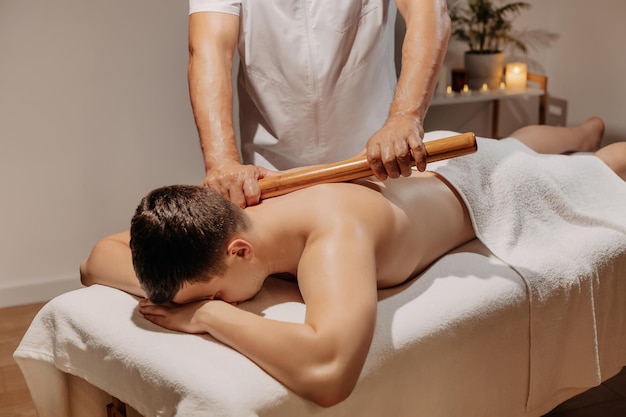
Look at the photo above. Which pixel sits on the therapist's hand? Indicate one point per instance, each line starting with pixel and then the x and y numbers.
pixel 236 182
pixel 389 149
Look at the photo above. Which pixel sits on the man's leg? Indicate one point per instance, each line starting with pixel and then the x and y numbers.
pixel 614 155
pixel 555 140
pixel 582 138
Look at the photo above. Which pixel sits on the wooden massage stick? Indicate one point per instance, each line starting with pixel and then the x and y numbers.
pixel 357 167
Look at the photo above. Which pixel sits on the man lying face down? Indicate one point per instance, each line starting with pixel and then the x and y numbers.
pixel 196 255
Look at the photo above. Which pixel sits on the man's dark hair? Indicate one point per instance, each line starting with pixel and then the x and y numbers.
pixel 178 235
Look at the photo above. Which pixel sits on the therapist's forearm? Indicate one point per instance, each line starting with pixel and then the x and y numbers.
pixel 423 51
pixel 212 40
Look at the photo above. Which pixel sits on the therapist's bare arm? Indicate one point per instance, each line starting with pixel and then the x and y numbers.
pixel 110 263
pixel 212 41
pixel 423 51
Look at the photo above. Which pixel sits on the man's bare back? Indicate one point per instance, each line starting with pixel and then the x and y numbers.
pixel 410 221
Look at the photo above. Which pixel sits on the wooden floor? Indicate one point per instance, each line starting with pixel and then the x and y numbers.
pixel 14 397
pixel 606 400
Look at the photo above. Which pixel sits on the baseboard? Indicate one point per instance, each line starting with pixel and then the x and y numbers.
pixel 36 290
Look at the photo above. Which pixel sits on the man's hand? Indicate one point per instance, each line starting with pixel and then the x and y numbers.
pixel 392 150
pixel 236 182
pixel 182 318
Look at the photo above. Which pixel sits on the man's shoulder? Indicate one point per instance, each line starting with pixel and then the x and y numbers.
pixel 353 203
pixel 330 199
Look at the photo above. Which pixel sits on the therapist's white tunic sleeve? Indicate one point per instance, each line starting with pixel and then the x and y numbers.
pixel 317 77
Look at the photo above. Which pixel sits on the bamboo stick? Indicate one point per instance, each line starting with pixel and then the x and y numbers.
pixel 358 167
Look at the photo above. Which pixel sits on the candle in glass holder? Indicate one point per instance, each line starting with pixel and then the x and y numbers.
pixel 515 76
pixel 459 79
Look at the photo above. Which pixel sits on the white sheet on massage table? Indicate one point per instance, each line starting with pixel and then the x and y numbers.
pixel 453 342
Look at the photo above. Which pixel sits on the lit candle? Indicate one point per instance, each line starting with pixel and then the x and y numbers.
pixel 515 76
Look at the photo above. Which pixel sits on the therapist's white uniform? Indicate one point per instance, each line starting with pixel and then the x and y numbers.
pixel 317 77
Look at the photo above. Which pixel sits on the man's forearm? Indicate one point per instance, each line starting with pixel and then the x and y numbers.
pixel 110 263
pixel 212 40
pixel 424 48
pixel 309 361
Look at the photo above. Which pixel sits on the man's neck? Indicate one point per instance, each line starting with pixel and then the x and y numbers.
pixel 278 243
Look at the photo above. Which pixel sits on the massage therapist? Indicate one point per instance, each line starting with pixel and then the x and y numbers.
pixel 317 84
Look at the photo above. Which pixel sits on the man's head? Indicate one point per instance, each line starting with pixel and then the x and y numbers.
pixel 179 235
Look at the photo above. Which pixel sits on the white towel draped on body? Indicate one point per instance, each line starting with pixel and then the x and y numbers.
pixel 556 220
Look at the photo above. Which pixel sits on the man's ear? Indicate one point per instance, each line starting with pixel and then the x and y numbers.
pixel 241 248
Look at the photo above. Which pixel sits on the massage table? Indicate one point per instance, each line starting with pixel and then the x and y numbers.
pixel 476 334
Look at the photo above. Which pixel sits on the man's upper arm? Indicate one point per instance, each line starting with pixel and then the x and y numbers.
pixel 212 41
pixel 337 279
pixel 406 7
pixel 213 29
pixel 224 6
pixel 110 263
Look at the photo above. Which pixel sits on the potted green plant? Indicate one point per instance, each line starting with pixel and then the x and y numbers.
pixel 486 27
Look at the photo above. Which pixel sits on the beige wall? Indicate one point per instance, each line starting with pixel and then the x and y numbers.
pixel 94 112
pixel 585 67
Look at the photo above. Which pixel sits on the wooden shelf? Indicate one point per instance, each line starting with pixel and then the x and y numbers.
pixel 537 87
pixel 478 96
